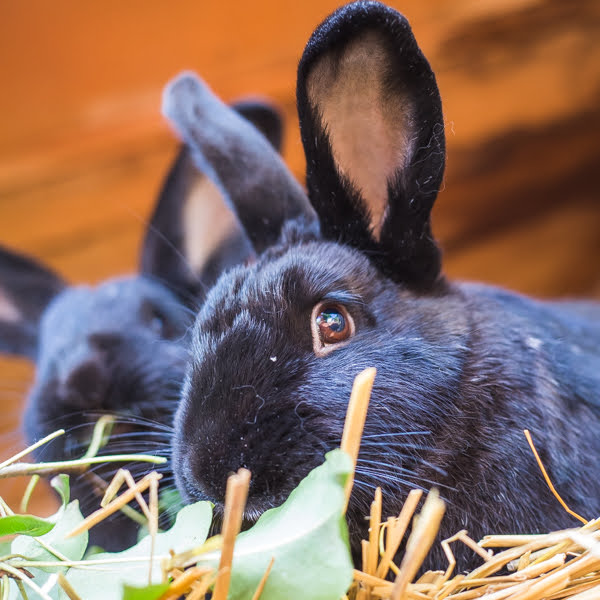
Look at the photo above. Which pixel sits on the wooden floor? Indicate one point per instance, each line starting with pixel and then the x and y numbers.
pixel 83 146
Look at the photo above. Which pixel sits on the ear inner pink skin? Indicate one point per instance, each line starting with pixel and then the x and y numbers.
pixel 207 222
pixel 8 311
pixel 369 130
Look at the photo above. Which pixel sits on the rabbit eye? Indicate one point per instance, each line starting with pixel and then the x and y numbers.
pixel 157 324
pixel 331 325
pixel 155 320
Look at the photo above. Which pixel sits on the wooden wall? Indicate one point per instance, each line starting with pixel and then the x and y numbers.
pixel 83 146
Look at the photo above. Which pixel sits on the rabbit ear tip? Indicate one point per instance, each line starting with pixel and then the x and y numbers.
pixel 185 78
pixel 186 84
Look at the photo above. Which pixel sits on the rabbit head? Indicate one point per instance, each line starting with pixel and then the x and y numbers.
pixel 346 277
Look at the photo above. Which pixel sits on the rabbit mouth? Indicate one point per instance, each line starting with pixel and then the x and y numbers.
pixel 252 513
pixel 255 505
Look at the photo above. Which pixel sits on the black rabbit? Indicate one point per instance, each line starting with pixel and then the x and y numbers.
pixel 355 281
pixel 121 347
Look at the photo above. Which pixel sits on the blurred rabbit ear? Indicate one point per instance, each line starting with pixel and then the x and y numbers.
pixel 193 236
pixel 373 133
pixel 26 289
pixel 239 160
pixel 265 117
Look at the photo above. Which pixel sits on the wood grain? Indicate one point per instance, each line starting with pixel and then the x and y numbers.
pixel 83 147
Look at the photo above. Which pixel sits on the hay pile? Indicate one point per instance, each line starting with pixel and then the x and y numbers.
pixel 561 564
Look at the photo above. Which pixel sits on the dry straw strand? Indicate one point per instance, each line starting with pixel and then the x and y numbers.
pixel 124 476
pixel 200 589
pixel 127 496
pixel 374 524
pixel 153 523
pixel 397 530
pixel 355 420
pixel 419 542
pixel 67 588
pixel 184 582
pixel 235 503
pixel 263 580
pixel 547 478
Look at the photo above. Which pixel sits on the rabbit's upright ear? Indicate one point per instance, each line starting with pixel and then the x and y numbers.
pixel 238 159
pixel 193 236
pixel 373 133
pixel 26 289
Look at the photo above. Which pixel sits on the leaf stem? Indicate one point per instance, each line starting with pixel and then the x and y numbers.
pixel 24 579
pixel 19 469
pixel 31 448
pixel 103 423
pixel 22 590
pixel 5 509
pixel 85 563
pixel 4 583
pixel 29 490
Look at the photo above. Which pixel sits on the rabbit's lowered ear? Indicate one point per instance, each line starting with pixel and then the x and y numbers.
pixel 193 236
pixel 265 117
pixel 238 159
pixel 26 288
pixel 373 133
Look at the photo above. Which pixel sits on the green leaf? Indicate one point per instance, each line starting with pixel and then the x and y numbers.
pixel 61 484
pixel 307 536
pixel 66 519
pixel 150 592
pixel 93 551
pixel 169 502
pixel 24 525
pixel 189 531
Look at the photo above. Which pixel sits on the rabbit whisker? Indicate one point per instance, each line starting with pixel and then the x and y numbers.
pixel 395 467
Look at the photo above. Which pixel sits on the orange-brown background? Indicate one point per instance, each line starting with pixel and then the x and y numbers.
pixel 83 146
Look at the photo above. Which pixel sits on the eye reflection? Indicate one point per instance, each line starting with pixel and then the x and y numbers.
pixel 331 324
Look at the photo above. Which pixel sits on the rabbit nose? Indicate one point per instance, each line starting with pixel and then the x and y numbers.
pixel 88 382
pixel 104 341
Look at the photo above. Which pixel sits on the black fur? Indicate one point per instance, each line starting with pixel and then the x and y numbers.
pixel 118 348
pixel 31 288
pixel 462 369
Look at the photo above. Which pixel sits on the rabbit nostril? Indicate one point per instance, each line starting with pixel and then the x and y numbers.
pixel 104 341
pixel 88 380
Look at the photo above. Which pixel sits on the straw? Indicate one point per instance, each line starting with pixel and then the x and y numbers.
pixel 235 503
pixel 355 420
pixel 127 496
